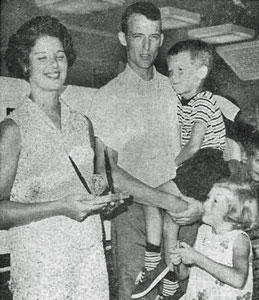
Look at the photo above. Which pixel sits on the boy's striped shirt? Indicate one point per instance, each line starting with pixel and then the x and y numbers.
pixel 202 108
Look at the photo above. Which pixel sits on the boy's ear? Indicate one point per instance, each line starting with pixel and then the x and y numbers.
pixel 122 38
pixel 161 39
pixel 203 72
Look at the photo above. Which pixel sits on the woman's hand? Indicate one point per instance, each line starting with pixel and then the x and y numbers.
pixel 80 206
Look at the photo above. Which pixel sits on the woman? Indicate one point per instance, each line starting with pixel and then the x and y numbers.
pixel 55 230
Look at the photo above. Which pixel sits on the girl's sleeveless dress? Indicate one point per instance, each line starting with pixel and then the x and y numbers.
pixel 56 258
pixel 218 247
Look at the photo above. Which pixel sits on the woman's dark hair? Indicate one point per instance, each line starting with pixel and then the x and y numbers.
pixel 21 43
pixel 147 9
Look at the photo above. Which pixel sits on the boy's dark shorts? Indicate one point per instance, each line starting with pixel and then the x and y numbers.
pixel 196 176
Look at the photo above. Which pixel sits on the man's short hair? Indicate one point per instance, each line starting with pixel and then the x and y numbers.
pixel 147 9
pixel 199 51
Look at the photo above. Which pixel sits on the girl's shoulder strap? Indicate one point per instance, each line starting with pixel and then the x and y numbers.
pixel 236 233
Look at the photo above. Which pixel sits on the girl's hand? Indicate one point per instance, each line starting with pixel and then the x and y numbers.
pixel 187 253
pixel 175 257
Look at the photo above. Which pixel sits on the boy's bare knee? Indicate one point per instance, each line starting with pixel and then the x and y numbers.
pixel 169 187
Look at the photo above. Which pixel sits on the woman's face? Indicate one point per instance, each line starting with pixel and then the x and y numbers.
pixel 48 64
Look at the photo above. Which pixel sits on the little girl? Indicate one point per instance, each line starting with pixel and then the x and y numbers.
pixel 220 265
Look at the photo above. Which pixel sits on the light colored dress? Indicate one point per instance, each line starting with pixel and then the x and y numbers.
pixel 218 247
pixel 56 258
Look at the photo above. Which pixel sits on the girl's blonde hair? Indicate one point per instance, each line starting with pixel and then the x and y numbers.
pixel 242 207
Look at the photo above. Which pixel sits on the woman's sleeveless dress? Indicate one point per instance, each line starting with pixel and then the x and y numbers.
pixel 218 247
pixel 56 258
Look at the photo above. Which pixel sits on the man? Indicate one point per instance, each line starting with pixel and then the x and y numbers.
pixel 135 114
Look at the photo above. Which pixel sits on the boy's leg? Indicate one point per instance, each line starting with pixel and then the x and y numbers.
pixel 128 245
pixel 170 236
pixel 154 269
pixel 153 219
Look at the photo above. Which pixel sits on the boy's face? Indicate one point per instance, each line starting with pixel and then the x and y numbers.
pixel 253 166
pixel 184 74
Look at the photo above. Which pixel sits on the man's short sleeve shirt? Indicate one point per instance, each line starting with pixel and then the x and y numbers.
pixel 138 119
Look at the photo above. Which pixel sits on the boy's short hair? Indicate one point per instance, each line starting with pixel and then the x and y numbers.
pixel 147 9
pixel 199 51
pixel 242 207
pixel 251 145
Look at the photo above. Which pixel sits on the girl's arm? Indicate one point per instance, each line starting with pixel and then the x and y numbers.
pixel 234 276
pixel 193 145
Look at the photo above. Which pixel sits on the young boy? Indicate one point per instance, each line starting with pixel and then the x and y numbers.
pixel 200 162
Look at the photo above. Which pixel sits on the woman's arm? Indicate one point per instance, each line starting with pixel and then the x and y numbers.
pixel 76 207
pixel 234 276
pixel 13 213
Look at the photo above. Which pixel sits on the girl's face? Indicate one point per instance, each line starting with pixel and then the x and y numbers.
pixel 216 206
pixel 48 64
pixel 253 166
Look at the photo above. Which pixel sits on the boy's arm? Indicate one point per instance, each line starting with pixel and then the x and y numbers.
pixel 234 276
pixel 194 144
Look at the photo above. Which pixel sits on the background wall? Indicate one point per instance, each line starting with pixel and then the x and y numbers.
pixel 101 57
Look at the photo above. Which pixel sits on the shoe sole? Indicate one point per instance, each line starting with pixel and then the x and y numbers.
pixel 152 285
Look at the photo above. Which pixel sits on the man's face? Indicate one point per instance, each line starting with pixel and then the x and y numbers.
pixel 142 41
pixel 253 166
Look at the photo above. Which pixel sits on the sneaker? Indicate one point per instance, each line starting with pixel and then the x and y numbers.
pixel 162 297
pixel 147 280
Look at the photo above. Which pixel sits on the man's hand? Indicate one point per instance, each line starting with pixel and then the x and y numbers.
pixel 192 214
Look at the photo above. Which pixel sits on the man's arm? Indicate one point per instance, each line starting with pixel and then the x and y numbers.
pixel 141 192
